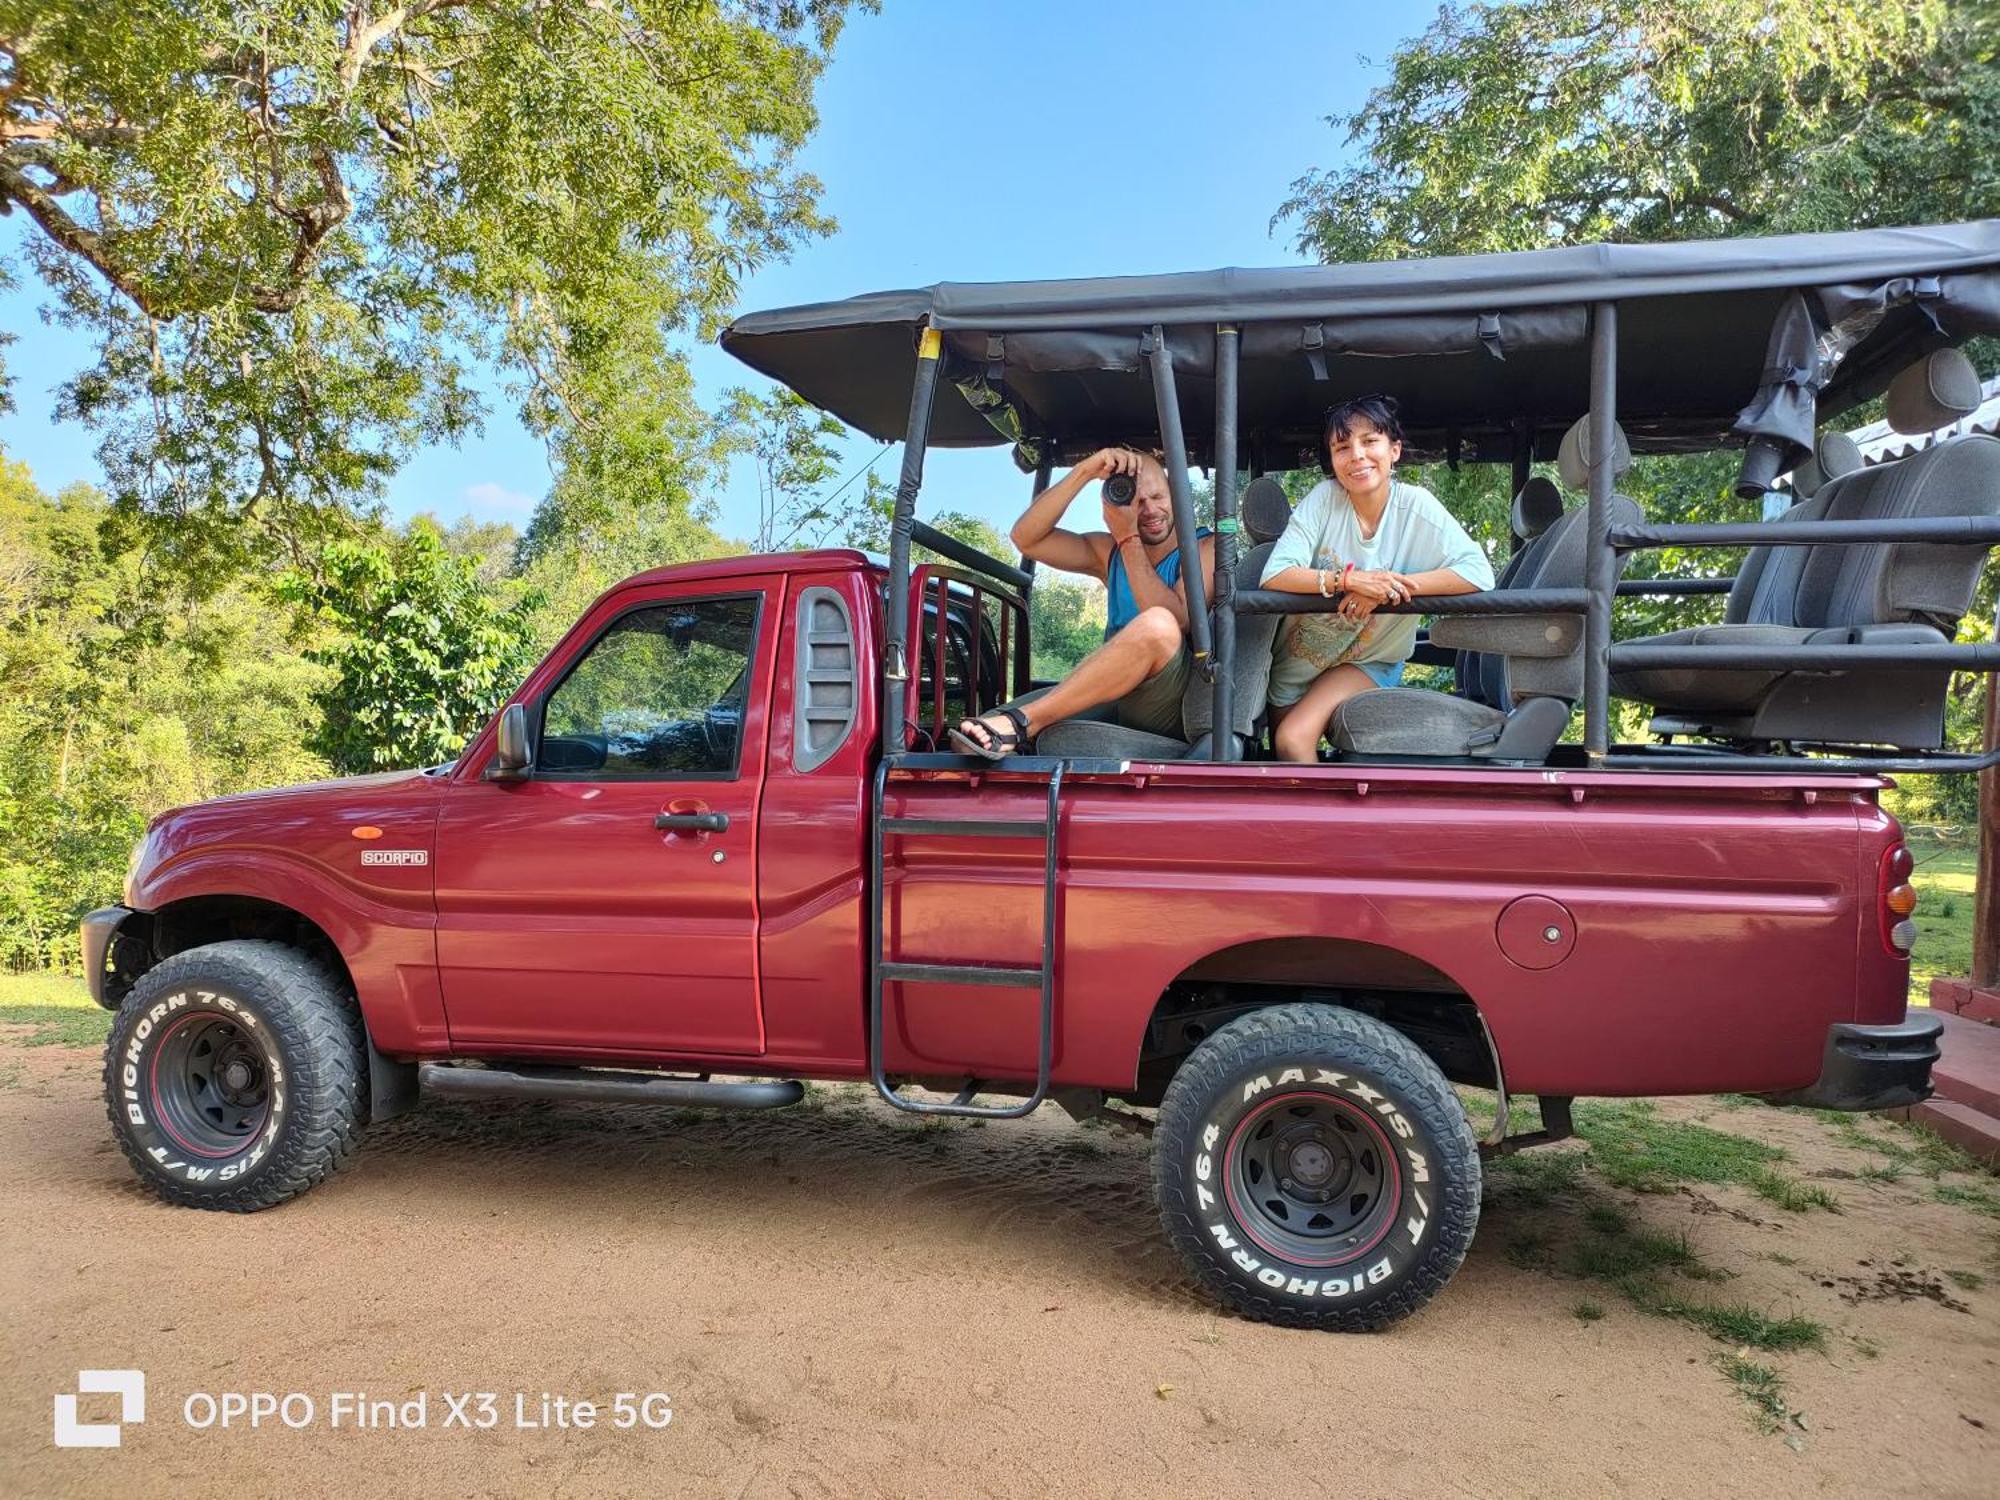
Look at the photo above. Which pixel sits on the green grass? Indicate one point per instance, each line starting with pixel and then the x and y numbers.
pixel 1762 1391
pixel 1587 1312
pixel 1980 1200
pixel 1908 1148
pixel 1531 1251
pixel 1733 1322
pixel 1790 1194
pixel 1631 1146
pixel 1947 871
pixel 1966 1281
pixel 58 1007
pixel 44 989
pixel 1536 1178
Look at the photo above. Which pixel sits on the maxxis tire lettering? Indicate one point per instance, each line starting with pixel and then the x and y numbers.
pixel 1252 1093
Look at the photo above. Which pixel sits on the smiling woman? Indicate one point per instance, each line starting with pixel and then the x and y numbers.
pixel 1372 539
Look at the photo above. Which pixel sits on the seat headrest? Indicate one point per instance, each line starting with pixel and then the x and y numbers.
pixel 1935 392
pixel 1834 454
pixel 1572 458
pixel 1264 509
pixel 1538 507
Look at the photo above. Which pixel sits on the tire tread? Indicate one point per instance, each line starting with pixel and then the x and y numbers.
pixel 315 1020
pixel 1289 1032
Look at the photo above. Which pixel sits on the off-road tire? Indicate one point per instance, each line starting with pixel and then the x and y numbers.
pixel 236 1076
pixel 1379 1170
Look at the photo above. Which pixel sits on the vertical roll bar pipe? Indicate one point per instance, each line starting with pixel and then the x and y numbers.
pixel 896 624
pixel 1222 729
pixel 1043 471
pixel 1168 402
pixel 1600 574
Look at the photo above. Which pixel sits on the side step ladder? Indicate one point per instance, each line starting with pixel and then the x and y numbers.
pixel 881 971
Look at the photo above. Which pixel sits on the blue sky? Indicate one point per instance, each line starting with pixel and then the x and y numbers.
pixel 956 142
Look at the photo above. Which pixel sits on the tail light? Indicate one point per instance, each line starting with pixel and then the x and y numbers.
pixel 1897 901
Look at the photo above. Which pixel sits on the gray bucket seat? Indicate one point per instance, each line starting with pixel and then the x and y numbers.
pixel 1872 593
pixel 1482 675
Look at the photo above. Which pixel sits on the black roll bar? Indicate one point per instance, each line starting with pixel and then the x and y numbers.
pixel 896 616
pixel 1601 563
pixel 1594 602
pixel 1670 588
pixel 1043 471
pixel 946 545
pixel 1222 730
pixel 1168 402
pixel 1949 530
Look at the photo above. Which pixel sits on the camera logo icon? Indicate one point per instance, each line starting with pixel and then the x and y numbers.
pixel 130 1388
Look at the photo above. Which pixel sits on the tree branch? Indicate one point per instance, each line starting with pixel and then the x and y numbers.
pixel 85 243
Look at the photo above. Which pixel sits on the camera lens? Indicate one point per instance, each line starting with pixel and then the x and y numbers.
pixel 1119 489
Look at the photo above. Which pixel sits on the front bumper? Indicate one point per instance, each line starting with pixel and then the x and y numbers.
pixel 99 928
pixel 1873 1067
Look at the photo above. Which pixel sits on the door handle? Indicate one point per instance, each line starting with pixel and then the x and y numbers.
pixel 696 822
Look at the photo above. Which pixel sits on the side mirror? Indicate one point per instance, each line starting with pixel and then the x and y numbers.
pixel 512 755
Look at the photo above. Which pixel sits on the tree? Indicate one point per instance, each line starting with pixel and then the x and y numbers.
pixel 791 444
pixel 293 230
pixel 120 698
pixel 418 654
pixel 1553 122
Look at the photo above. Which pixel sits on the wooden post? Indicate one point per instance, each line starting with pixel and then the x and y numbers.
pixel 1986 893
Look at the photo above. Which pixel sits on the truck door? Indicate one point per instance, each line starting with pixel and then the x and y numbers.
pixel 608 899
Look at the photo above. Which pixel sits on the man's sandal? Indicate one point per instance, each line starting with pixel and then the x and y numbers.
pixel 1000 744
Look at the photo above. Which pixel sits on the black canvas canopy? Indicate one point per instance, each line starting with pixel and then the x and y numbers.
pixel 1719 340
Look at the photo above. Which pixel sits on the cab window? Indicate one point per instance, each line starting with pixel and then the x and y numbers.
pixel 659 696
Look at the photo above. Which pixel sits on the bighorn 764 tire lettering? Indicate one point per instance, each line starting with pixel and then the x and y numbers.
pixel 235 1076
pixel 1315 1169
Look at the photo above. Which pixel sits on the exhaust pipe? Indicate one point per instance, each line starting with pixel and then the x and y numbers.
pixel 602 1086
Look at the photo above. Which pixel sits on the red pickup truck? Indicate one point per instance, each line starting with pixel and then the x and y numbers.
pixel 683 882
pixel 709 850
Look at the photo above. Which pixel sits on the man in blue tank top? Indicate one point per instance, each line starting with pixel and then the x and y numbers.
pixel 1138 675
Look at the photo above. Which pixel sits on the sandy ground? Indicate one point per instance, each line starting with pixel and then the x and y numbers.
pixel 842 1303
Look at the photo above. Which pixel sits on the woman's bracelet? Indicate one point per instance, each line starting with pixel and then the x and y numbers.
pixel 1345 574
pixel 1322 585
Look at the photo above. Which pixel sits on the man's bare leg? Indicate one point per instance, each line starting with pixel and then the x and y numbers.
pixel 1138 651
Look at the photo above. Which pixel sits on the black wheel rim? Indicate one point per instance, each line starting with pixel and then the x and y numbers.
pixel 1312 1179
pixel 211 1084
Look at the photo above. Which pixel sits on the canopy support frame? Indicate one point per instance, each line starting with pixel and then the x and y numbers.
pixel 896 619
pixel 1173 440
pixel 1601 561
pixel 1222 726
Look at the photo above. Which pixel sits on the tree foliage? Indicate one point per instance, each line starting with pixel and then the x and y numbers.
pixel 292 230
pixel 1553 122
pixel 419 654
pixel 119 699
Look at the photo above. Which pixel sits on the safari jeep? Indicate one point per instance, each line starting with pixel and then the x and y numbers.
pixel 711 847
